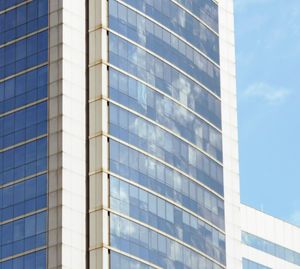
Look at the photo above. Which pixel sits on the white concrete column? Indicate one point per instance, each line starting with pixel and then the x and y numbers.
pixel 230 135
pixel 67 135
pixel 98 143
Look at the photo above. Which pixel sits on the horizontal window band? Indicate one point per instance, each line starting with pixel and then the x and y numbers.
pixel 132 257
pixel 23 179
pixel 23 254
pixel 24 71
pixel 24 216
pixel 157 159
pixel 164 94
pixel 23 107
pixel 165 199
pixel 165 235
pixel 23 37
pixel 164 128
pixel 195 16
pixel 15 6
pixel 170 31
pixel 101 246
pixel 23 143
pixel 165 61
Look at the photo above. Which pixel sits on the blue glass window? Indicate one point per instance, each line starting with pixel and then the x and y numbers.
pixel 164 111
pixel 151 246
pixel 247 264
pixel 23 89
pixel 23 20
pixel 164 145
pixel 154 71
pixel 23 125
pixel 182 23
pixel 23 235
pixel 23 161
pixel 207 10
pixel 164 44
pixel 23 54
pixel 4 4
pixel 35 260
pixel 24 197
pixel 148 208
pixel 118 261
pixel 157 177
pixel 23 46
pixel 271 248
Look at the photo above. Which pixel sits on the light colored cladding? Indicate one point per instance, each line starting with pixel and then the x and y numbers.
pixel 230 136
pixel 67 168
pixel 270 228
pixel 98 144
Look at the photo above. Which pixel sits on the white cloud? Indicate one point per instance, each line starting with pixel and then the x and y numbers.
pixel 268 93
pixel 295 217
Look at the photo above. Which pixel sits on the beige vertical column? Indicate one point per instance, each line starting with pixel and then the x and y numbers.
pixel 67 135
pixel 98 143
pixel 230 135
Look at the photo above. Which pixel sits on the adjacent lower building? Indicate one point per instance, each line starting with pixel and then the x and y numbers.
pixel 268 242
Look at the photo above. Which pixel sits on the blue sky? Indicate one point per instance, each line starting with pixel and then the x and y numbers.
pixel 268 84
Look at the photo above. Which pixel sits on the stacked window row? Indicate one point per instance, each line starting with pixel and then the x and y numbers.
pixel 23 161
pixel 206 105
pixel 24 197
pixel 247 264
pixel 23 89
pixel 23 20
pixel 151 246
pixel 162 215
pixel 23 54
pixel 182 23
pixel 35 260
pixel 162 144
pixel 150 35
pixel 118 261
pixel 23 235
pixel 159 178
pixel 161 75
pixel 271 248
pixel 5 4
pixel 23 125
pixel 206 10
pixel 163 110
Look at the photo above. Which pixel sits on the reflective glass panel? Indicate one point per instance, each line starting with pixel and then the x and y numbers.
pixel 271 248
pixel 151 246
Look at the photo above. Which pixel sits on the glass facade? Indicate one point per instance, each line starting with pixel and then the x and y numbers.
pixel 271 248
pixel 23 133
pixel 247 264
pixel 165 135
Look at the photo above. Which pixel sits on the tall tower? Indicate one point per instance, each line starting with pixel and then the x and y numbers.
pixel 118 134
pixel 162 104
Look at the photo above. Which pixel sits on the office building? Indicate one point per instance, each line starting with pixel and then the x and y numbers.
pixel 158 171
pixel 118 137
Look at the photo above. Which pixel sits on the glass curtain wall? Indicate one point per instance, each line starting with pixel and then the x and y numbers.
pixel 165 135
pixel 23 133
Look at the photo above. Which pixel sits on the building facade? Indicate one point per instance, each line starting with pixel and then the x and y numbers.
pixel 118 134
pixel 158 74
pixel 267 242
pixel 24 104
